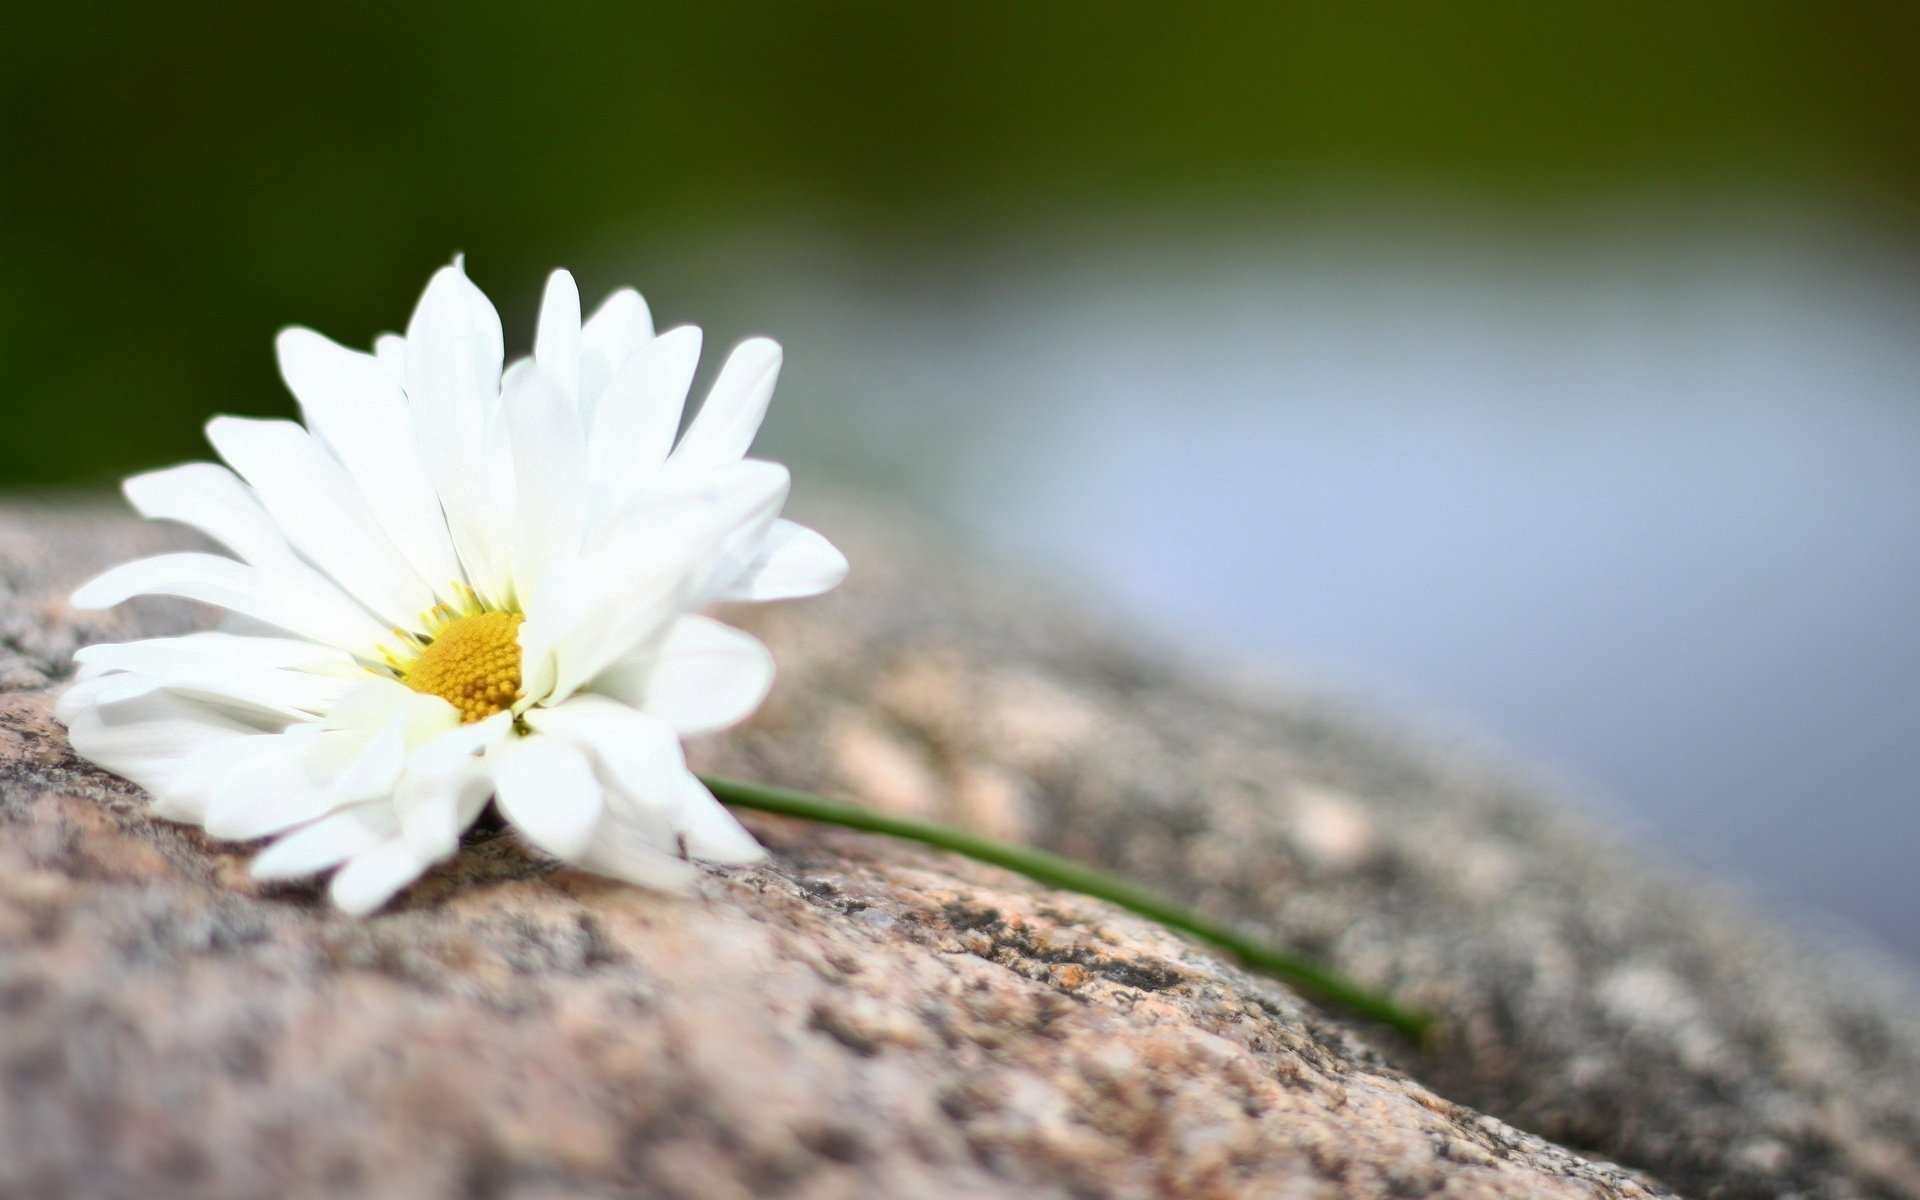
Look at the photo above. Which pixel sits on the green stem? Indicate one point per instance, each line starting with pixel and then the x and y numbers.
pixel 1058 872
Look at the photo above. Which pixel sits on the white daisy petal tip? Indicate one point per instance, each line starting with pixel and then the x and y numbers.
pixel 547 790
pixel 96 594
pixel 460 583
pixel 730 418
pixel 707 676
pixel 373 877
pixel 793 562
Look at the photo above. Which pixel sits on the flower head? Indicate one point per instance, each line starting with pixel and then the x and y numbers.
pixel 455 584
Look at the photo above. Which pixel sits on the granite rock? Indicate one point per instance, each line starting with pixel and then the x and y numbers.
pixel 863 1018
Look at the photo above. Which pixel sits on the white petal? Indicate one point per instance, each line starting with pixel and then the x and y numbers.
pixel 248 700
pixel 260 672
pixel 272 789
pixel 651 796
pixel 453 360
pixel 374 703
pixel 735 406
pixel 637 761
pixel 750 524
pixel 445 787
pixel 370 705
pixel 198 777
pixel 373 876
pixel 391 350
pixel 118 687
pixel 590 610
pixel 375 771
pixel 290 654
pixel 546 788
pixel 639 414
pixel 549 470
pixel 434 811
pixel 614 333
pixel 639 757
pixel 621 854
pixel 83 693
pixel 793 561
pixel 247 590
pixel 708 830
pixel 212 499
pixel 355 404
pixel 88 686
pixel 315 502
pixel 325 843
pixel 619 327
pixel 556 340
pixel 146 740
pixel 738 502
pixel 317 770
pixel 449 750
pixel 618 601
pixel 706 676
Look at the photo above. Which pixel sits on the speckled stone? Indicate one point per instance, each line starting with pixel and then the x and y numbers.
pixel 861 1018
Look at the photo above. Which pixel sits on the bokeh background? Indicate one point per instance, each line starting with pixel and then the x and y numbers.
pixel 1551 370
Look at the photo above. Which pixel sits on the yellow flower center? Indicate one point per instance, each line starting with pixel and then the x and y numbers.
pixel 473 663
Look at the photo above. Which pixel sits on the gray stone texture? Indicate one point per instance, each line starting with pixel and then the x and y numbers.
pixel 863 1018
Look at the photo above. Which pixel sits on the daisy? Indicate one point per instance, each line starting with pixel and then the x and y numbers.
pixel 453 584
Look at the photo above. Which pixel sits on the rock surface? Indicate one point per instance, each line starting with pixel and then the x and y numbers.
pixel 863 1018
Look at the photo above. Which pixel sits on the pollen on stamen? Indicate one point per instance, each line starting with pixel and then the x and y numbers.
pixel 472 662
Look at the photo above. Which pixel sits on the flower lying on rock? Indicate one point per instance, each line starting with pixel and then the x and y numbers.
pixel 456 585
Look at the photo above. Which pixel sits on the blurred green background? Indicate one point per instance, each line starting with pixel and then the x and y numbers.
pixel 180 180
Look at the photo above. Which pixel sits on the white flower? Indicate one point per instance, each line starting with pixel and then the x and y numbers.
pixel 454 585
